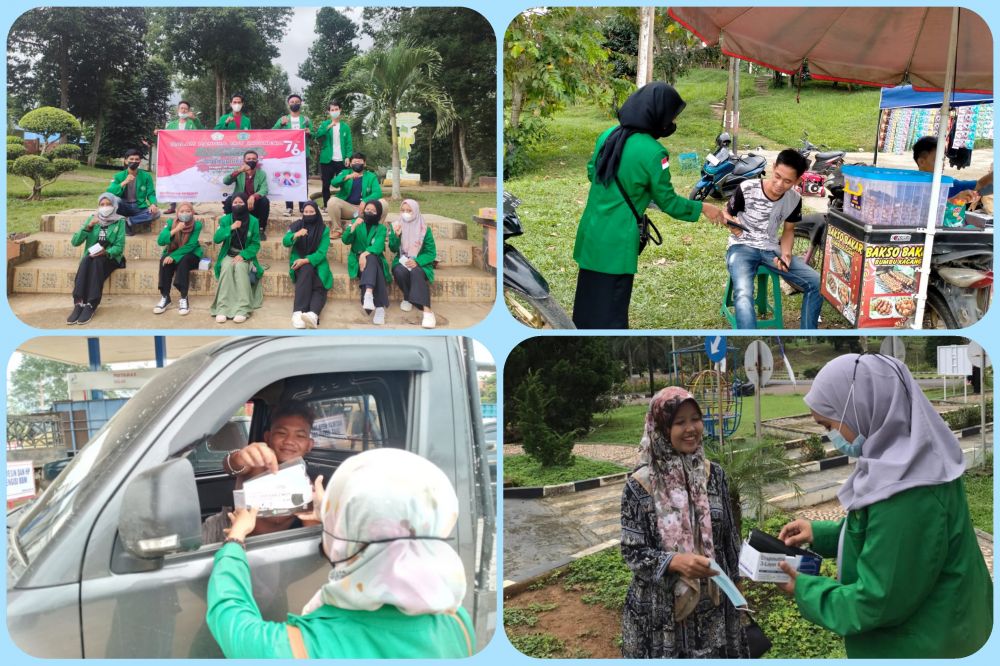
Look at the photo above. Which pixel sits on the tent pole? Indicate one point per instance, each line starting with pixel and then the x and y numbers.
pixel 949 88
pixel 878 131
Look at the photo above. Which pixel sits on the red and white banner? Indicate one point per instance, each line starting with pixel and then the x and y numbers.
pixel 190 164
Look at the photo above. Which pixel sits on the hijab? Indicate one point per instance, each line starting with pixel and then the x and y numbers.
pixel 181 239
pixel 651 110
pixel 315 228
pixel 387 517
pixel 238 237
pixel 907 444
pixel 678 484
pixel 413 231
pixel 371 225
pixel 104 222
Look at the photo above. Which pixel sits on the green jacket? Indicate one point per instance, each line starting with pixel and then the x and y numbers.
pixel 191 124
pixel 259 181
pixel 223 234
pixel 325 134
pixel 913 581
pixel 115 236
pixel 226 122
pixel 607 240
pixel 317 258
pixel 328 632
pixel 428 252
pixel 361 240
pixel 305 124
pixel 191 247
pixel 370 187
pixel 145 191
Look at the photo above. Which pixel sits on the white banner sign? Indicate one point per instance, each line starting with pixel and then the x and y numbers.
pixel 20 480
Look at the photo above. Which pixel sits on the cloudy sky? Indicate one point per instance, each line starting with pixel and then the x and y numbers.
pixel 294 48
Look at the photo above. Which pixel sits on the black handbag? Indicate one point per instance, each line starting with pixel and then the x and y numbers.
pixel 757 641
pixel 647 230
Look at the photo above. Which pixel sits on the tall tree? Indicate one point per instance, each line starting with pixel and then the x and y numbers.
pixel 37 382
pixel 229 44
pixel 383 80
pixel 140 107
pixel 332 49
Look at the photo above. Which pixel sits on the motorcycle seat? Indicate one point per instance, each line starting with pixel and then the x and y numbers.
pixel 830 155
pixel 749 163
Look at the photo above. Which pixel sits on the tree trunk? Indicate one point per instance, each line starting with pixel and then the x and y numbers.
pixel 516 101
pixel 95 147
pixel 218 95
pixel 394 134
pixel 36 189
pixel 649 361
pixel 466 173
pixel 63 74
pixel 644 65
pixel 456 159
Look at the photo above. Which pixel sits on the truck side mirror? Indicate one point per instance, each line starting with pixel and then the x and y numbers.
pixel 160 513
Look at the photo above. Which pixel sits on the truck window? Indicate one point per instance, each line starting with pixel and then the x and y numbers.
pixel 348 423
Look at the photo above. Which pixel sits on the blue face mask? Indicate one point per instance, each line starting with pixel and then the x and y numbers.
pixel 728 587
pixel 852 449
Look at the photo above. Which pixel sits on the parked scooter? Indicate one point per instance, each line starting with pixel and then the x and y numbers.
pixel 823 163
pixel 961 281
pixel 525 291
pixel 724 170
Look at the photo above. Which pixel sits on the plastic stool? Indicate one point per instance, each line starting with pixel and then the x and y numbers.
pixel 765 306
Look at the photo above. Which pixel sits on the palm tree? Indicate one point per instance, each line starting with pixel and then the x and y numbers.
pixel 383 81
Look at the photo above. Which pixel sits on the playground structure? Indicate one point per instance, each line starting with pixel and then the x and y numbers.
pixel 720 398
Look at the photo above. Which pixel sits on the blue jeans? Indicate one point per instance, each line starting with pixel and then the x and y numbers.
pixel 743 261
pixel 134 215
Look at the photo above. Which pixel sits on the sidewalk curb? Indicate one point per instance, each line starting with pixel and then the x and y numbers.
pixel 538 492
pixel 512 588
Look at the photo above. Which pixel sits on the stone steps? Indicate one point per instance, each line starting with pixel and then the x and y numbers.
pixel 141 276
pixel 68 221
pixel 52 245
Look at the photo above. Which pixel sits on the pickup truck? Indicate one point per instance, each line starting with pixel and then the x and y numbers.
pixel 110 558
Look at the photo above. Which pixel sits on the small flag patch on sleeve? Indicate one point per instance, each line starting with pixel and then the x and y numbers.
pixel 665 163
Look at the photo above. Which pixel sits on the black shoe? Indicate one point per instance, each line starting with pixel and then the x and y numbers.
pixel 263 235
pixel 87 314
pixel 75 314
pixel 129 231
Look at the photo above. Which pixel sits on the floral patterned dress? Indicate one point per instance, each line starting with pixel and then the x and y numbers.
pixel 648 626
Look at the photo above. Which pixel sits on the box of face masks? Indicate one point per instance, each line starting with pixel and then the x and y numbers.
pixel 762 553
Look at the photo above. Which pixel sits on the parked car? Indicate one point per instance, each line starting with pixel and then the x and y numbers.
pixel 110 557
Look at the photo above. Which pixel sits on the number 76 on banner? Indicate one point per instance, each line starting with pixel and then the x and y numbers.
pixel 292 147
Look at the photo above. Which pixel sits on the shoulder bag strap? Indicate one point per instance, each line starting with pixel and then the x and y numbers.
pixel 465 631
pixel 295 639
pixel 647 230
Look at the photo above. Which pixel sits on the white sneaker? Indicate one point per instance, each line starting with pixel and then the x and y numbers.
pixel 239 319
pixel 297 320
pixel 220 319
pixel 311 319
pixel 161 306
pixel 379 317
pixel 368 303
pixel 430 321
pixel 182 307
pixel 405 306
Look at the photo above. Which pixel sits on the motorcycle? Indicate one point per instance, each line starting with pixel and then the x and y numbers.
pixel 961 280
pixel 724 170
pixel 525 291
pixel 822 165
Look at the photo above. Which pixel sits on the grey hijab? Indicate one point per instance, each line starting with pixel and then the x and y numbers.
pixel 907 444
pixel 114 217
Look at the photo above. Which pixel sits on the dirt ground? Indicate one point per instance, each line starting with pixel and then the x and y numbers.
pixel 589 631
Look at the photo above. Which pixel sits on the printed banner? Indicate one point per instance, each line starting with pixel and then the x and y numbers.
pixel 20 480
pixel 190 164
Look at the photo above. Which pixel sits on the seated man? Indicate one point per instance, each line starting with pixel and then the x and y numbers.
pixel 252 181
pixel 357 187
pixel 760 206
pixel 134 187
pixel 924 152
pixel 288 437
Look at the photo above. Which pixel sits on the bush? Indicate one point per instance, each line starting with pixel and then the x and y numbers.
pixel 540 441
pixel 67 151
pixel 812 448
pixel 811 372
pixel 14 151
pixel 967 416
pixel 518 143
pixel 50 121
pixel 41 170
pixel 12 138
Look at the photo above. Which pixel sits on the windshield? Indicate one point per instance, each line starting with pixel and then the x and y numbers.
pixel 71 489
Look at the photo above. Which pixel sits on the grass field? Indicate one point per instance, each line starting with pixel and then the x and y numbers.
pixel 80 189
pixel 524 471
pixel 680 283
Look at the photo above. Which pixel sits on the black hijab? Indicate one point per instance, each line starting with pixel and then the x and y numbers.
pixel 313 224
pixel 378 207
pixel 651 110
pixel 238 237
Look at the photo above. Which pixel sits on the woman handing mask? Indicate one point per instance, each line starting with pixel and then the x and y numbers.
pixel 912 582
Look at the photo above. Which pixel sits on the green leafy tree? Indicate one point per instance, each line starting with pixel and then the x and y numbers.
pixel 384 81
pixel 541 441
pixel 14 151
pixel 37 382
pixel 488 388
pixel 140 107
pixel 330 52
pixel 45 169
pixel 750 469
pixel 228 45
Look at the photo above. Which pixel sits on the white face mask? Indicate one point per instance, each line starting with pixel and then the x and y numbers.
pixel 237 107
pixel 182 114
pixel 407 217
pixel 106 211
pixel 335 114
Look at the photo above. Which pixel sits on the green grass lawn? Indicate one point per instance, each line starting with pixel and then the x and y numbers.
pixel 680 284
pixel 979 488
pixel 80 189
pixel 524 471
